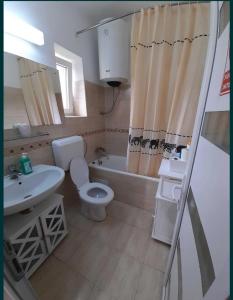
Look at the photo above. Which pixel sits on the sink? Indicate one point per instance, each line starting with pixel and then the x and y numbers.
pixel 29 190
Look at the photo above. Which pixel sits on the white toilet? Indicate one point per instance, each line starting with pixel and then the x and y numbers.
pixel 69 154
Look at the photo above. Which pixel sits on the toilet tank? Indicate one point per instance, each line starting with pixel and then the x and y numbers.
pixel 64 150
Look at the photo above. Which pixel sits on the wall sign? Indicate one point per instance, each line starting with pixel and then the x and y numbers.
pixel 225 87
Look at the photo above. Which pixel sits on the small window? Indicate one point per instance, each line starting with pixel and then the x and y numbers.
pixel 64 68
pixel 70 68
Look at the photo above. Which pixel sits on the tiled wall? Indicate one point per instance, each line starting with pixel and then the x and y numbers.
pixel 109 131
pixel 117 122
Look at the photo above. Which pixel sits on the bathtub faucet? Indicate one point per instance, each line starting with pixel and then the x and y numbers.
pixel 101 151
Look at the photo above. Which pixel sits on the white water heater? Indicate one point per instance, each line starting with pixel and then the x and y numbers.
pixel 113 44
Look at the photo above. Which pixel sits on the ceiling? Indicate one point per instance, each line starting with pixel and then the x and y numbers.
pixel 98 10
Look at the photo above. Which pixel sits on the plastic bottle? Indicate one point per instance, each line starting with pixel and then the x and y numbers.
pixel 25 164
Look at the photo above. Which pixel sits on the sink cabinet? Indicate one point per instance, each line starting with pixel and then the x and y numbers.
pixel 35 234
pixel 29 246
pixel 53 225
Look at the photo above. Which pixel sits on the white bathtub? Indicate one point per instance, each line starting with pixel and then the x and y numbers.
pixel 113 162
pixel 133 189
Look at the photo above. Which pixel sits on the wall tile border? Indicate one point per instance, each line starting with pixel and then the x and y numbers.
pixel 28 147
pixel 118 130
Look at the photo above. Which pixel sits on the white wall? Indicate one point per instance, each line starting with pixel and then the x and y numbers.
pixel 59 22
pixel 11 71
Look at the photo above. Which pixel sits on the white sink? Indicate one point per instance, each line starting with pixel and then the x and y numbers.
pixel 29 190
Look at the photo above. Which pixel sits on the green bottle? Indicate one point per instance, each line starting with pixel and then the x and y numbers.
pixel 25 164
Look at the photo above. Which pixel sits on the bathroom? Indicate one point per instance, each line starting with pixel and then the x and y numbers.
pixel 118 107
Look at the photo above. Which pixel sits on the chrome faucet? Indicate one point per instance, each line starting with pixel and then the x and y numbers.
pixel 13 172
pixel 101 151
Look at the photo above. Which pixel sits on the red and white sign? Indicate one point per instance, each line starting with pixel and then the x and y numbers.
pixel 225 87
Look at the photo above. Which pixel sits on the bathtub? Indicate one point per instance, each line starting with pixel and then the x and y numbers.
pixel 133 189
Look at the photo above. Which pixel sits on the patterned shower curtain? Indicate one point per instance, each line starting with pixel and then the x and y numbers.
pixel 168 50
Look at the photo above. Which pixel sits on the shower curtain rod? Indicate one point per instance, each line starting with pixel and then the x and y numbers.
pixel 135 12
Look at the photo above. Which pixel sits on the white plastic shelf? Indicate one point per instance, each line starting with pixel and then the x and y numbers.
pixel 165 189
pixel 164 220
pixel 165 171
pixel 167 203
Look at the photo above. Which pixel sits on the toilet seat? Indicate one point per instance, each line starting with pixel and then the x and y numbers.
pixel 83 192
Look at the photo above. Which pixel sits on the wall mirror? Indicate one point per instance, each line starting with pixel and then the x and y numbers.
pixel 32 95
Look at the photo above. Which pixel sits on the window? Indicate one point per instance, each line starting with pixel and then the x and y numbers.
pixel 64 68
pixel 70 67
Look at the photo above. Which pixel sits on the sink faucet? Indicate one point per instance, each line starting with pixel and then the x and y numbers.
pixel 13 172
pixel 101 151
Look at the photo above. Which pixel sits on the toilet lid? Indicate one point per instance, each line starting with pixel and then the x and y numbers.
pixel 79 171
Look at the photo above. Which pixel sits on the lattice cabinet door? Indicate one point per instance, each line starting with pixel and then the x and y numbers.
pixel 54 224
pixel 29 246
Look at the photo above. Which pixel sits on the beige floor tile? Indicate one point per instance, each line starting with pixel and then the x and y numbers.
pixel 107 230
pixel 68 286
pixel 124 212
pixel 54 280
pixel 123 282
pixel 111 260
pixel 98 294
pixel 157 255
pixel 120 241
pixel 144 220
pixel 45 276
pixel 137 244
pixel 70 244
pixel 150 284
pixel 75 219
pixel 107 273
pixel 90 258
pixel 76 287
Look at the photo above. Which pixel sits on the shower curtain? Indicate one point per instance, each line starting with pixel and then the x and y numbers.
pixel 168 50
pixel 38 92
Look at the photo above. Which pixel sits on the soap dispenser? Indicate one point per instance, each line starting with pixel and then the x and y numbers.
pixel 25 164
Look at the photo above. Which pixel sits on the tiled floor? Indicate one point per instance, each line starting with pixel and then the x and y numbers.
pixel 111 260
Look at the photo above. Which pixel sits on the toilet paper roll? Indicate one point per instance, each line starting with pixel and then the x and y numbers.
pixel 184 154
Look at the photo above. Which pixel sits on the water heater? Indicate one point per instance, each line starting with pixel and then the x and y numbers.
pixel 113 44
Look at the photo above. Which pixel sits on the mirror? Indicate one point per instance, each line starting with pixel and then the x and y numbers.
pixel 32 93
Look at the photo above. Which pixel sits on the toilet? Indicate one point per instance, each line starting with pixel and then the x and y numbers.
pixel 69 155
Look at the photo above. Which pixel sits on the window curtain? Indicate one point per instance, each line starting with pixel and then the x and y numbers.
pixel 168 50
pixel 38 92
